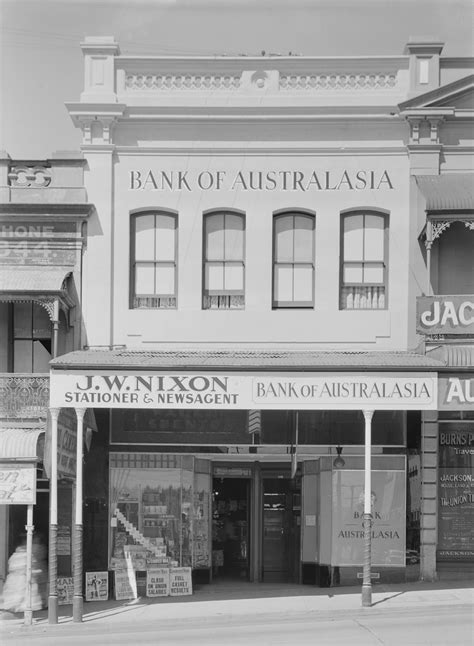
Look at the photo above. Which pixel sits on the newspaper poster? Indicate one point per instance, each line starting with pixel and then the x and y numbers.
pixel 158 582
pixel 97 586
pixel 65 589
pixel 125 584
pixel 180 581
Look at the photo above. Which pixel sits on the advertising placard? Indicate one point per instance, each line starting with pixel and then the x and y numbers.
pixel 65 589
pixel 64 541
pixel 313 391
pixel 158 582
pixel 17 484
pixel 388 518
pixel 456 392
pixel 456 491
pixel 447 314
pixel 125 584
pixel 180 581
pixel 97 586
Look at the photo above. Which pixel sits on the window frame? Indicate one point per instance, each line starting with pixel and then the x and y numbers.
pixel 30 338
pixel 134 215
pixel 385 216
pixel 239 263
pixel 276 304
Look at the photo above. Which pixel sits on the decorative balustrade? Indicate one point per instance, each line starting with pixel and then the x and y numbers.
pixel 167 82
pixel 367 81
pixel 24 395
pixel 367 297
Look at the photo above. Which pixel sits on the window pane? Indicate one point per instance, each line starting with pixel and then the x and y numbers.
pixel 144 237
pixel 234 237
pixel 283 283
pixel 144 279
pixel 41 323
pixel 234 277
pixel 373 274
pixel 352 273
pixel 303 284
pixel 22 321
pixel 164 284
pixel 353 237
pixel 304 238
pixel 284 235
pixel 41 357
pixel 165 237
pixel 214 277
pixel 215 237
pixel 374 237
pixel 22 356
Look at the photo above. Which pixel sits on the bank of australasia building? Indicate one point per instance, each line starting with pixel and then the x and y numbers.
pixel 280 256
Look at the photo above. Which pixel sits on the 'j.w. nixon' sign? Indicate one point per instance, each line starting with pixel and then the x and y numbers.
pixel 323 391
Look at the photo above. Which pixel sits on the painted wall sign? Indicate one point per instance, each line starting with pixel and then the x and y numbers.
pixel 36 243
pixel 323 391
pixel 388 512
pixel 258 180
pixel 456 392
pixel 456 491
pixel 17 484
pixel 445 314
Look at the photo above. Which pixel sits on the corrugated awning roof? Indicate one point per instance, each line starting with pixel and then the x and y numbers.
pixel 38 279
pixel 450 193
pixel 240 360
pixel 21 443
pixel 456 356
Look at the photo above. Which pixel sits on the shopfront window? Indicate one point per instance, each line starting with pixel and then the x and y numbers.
pixel 153 257
pixel 293 260
pixel 224 269
pixel 364 261
pixel 31 338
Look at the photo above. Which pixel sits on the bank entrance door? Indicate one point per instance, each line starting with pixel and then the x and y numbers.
pixel 230 528
pixel 281 531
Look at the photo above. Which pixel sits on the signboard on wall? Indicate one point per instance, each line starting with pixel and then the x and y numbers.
pixel 97 586
pixel 314 391
pixel 445 314
pixel 456 491
pixel 388 514
pixel 17 484
pixel 456 392
pixel 65 588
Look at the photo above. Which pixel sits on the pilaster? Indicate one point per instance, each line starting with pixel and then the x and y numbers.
pixel 429 495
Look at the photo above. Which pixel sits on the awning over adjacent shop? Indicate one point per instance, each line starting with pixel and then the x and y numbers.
pixel 17 443
pixel 454 356
pixel 33 280
pixel 452 193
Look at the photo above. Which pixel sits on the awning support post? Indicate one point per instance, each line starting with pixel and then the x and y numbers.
pixel 55 327
pixel 28 613
pixel 53 521
pixel 77 601
pixel 367 522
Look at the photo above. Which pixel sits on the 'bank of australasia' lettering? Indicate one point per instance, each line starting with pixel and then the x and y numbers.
pixel 281 180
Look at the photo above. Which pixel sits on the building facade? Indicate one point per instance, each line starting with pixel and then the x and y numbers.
pixel 260 265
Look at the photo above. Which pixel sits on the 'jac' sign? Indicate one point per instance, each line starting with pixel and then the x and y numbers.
pixel 445 314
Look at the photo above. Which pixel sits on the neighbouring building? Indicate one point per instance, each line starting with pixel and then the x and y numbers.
pixel 263 282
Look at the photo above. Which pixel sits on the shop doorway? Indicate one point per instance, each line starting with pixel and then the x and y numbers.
pixel 281 531
pixel 230 528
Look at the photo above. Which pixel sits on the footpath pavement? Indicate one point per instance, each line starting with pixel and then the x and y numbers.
pixel 250 599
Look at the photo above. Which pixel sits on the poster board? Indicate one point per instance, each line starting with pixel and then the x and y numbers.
pixel 180 581
pixel 158 582
pixel 125 584
pixel 97 586
pixel 17 484
pixel 65 589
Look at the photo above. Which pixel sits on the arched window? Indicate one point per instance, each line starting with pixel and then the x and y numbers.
pixel 224 268
pixel 293 260
pixel 153 258
pixel 364 257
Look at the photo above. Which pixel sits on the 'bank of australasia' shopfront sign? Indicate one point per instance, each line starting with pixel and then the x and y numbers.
pixel 312 391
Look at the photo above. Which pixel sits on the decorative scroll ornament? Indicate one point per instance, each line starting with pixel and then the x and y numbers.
pixel 437 228
pixel 469 224
pixel 23 396
pixel 30 176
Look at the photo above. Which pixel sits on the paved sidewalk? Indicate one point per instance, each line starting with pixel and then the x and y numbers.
pixel 240 599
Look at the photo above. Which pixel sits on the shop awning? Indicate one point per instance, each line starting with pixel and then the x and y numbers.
pixel 21 443
pixel 33 280
pixel 448 193
pixel 234 360
pixel 455 356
